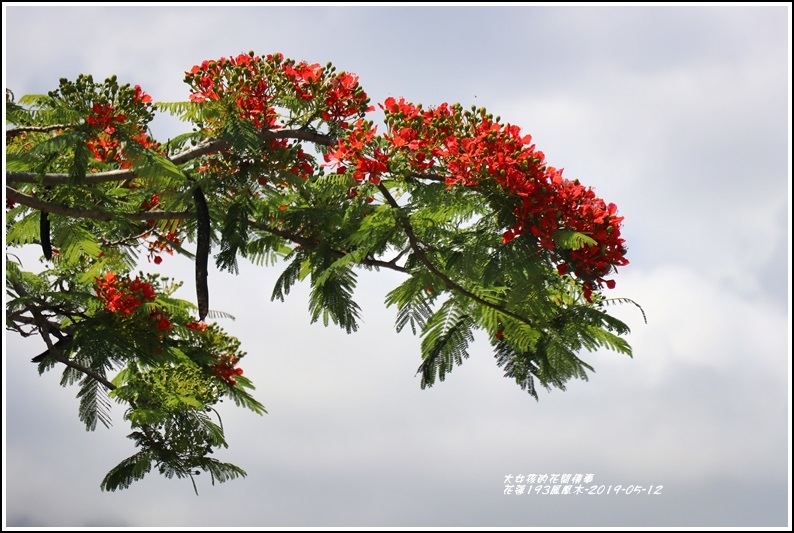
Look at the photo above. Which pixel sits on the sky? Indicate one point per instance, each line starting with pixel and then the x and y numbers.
pixel 679 115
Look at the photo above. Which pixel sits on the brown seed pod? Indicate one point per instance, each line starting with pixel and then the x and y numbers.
pixel 202 251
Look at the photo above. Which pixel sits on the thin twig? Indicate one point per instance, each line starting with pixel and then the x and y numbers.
pixel 311 244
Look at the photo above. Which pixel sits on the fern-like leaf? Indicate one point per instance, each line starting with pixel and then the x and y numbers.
pixel 521 369
pixel 289 276
pixel 131 469
pixel 612 301
pixel 332 298
pixel 234 236
pixel 94 404
pixel 221 472
pixel 445 341
pixel 572 240
pixel 241 398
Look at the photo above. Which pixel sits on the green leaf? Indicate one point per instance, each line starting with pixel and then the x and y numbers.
pixel 331 298
pixel 74 243
pixel 572 240
pixel 445 341
pixel 289 276
pixel 143 417
pixel 131 469
pixel 94 404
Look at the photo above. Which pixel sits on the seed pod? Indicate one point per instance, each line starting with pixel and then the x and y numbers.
pixel 44 233
pixel 202 251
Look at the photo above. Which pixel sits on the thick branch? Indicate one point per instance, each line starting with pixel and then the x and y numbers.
pixel 420 253
pixel 19 317
pixel 202 149
pixel 63 179
pixel 58 209
pixel 19 130
pixel 45 329
pixel 51 178
pixel 430 176
pixel 301 134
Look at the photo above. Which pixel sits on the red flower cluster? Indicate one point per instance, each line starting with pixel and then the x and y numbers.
pixel 241 77
pixel 345 99
pixel 102 118
pixel 105 144
pixel 152 202
pixel 425 137
pixel 225 370
pixel 141 96
pixel 104 148
pixel 356 150
pixel 163 244
pixel 471 149
pixel 463 148
pixel 548 202
pixel 162 321
pixel 253 82
pixel 125 296
pixel 302 165
pixel 305 78
pixel 279 158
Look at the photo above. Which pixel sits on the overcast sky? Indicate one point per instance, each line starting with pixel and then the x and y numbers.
pixel 679 115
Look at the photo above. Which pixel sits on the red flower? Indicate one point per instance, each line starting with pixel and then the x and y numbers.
pixel 162 321
pixel 123 296
pixel 141 96
pixel 225 368
pixel 102 117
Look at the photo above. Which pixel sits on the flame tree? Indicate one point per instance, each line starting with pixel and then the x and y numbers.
pixel 282 166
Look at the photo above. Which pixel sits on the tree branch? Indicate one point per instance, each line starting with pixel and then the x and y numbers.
pixel 420 253
pixel 300 134
pixel 45 329
pixel 85 370
pixel 58 209
pixel 19 130
pixel 431 176
pixel 310 244
pixel 51 178
pixel 200 150
pixel 203 148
